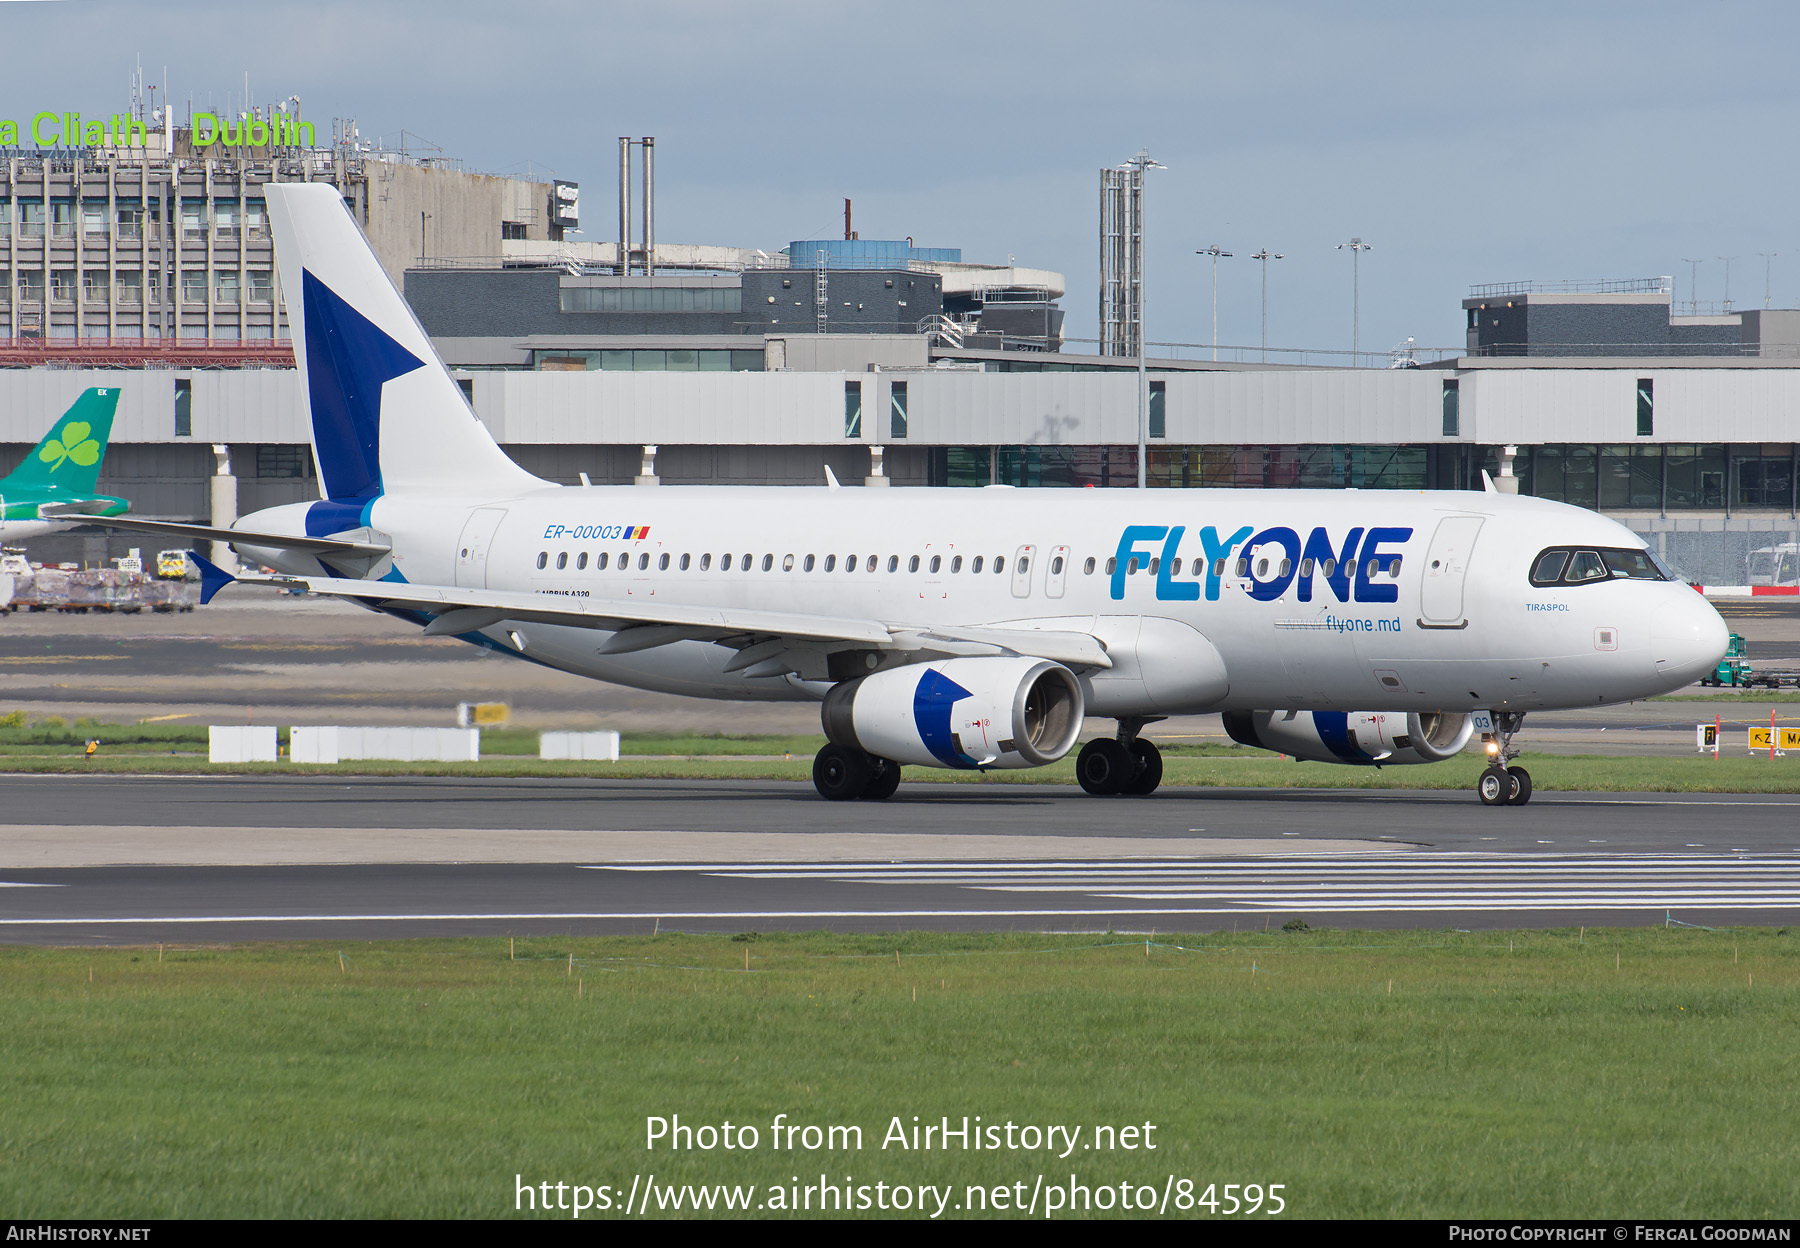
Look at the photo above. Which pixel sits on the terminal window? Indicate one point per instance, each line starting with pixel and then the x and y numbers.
pixel 853 409
pixel 897 411
pixel 1159 421
pixel 1452 412
pixel 184 408
pixel 1646 406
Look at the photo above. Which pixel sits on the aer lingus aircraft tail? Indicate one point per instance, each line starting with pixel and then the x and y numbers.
pixel 61 474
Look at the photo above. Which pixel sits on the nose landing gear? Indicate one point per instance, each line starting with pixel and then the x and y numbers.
pixel 1503 784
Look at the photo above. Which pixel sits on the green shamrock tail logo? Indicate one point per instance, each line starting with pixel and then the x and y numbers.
pixel 74 444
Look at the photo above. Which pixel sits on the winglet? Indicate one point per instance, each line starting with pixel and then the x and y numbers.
pixel 831 481
pixel 212 577
pixel 1487 483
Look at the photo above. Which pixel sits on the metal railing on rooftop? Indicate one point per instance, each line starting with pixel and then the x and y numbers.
pixel 1578 286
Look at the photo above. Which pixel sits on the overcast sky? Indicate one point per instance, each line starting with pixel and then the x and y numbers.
pixel 1466 143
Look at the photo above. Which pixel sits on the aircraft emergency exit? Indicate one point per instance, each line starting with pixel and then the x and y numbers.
pixel 951 627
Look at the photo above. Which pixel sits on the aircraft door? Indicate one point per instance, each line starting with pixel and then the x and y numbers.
pixel 1056 577
pixel 472 550
pixel 1023 558
pixel 1446 564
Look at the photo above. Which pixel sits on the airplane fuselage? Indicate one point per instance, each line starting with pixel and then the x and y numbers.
pixel 1206 600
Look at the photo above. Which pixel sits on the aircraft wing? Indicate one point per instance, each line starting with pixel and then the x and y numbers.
pixel 643 623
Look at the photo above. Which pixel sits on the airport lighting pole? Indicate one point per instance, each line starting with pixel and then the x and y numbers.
pixel 1265 255
pixel 1727 260
pixel 1768 258
pixel 1143 164
pixel 1215 252
pixel 1357 247
pixel 1693 284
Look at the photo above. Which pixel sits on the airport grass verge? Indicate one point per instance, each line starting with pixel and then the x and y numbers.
pixel 1594 1074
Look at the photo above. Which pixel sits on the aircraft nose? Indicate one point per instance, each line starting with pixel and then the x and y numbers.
pixel 1688 637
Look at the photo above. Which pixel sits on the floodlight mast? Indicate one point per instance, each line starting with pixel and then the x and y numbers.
pixel 1215 252
pixel 1356 247
pixel 1265 255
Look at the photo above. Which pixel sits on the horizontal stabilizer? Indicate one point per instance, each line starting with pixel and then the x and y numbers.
pixel 208 533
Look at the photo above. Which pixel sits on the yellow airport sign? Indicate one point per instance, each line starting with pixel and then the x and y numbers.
pixel 482 714
pixel 1788 739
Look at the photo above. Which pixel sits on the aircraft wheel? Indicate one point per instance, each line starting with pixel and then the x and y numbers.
pixel 885 781
pixel 1150 769
pixel 1494 788
pixel 1521 786
pixel 840 774
pixel 1104 767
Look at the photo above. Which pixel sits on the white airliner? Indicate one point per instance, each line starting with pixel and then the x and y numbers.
pixel 957 628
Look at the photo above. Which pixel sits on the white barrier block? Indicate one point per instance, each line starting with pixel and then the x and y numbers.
pixel 444 745
pixel 313 745
pixel 586 746
pixel 240 743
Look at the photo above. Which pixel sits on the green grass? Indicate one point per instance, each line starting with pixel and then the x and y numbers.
pixel 1220 767
pixel 1373 1074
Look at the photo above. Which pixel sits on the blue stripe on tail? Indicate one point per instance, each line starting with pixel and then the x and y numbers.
pixel 348 360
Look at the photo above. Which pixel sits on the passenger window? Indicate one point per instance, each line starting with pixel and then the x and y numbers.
pixel 1371 568
pixel 893 563
pixel 1393 567
pixel 1131 566
pixel 624 560
pixel 999 564
pixel 1175 567
pixel 937 561
pixel 787 563
pixel 831 563
pixel 705 562
pixel 562 560
pixel 1306 567
pixel 1286 567
pixel 581 561
pixel 913 564
pixel 1219 567
pixel 1025 564
pixel 768 562
pixel 956 563
pixel 1112 562
pixel 684 563
pixel 1056 566
pixel 543 558
pixel 1087 569
pixel 725 563
pixel 662 564
pixel 644 561
pixel 1262 568
pixel 1585 566
pixel 1155 563
pixel 600 562
pixel 849 563
pixel 1329 568
pixel 808 565
pixel 1243 567
pixel 873 560
pixel 976 566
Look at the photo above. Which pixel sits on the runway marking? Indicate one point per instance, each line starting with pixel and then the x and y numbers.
pixel 18 884
pixel 1422 882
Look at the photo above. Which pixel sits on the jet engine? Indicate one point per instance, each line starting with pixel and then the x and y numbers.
pixel 1359 738
pixel 966 713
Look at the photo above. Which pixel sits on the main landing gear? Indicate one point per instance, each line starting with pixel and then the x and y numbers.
pixel 841 775
pixel 1125 764
pixel 1503 784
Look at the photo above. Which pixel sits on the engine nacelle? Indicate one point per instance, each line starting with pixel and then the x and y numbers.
pixel 966 713
pixel 1359 738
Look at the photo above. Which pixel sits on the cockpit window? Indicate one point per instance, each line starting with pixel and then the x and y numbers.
pixel 1585 565
pixel 1549 567
pixel 1579 567
pixel 1634 564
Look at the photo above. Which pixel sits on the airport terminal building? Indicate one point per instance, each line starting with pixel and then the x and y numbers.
pixel 893 364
